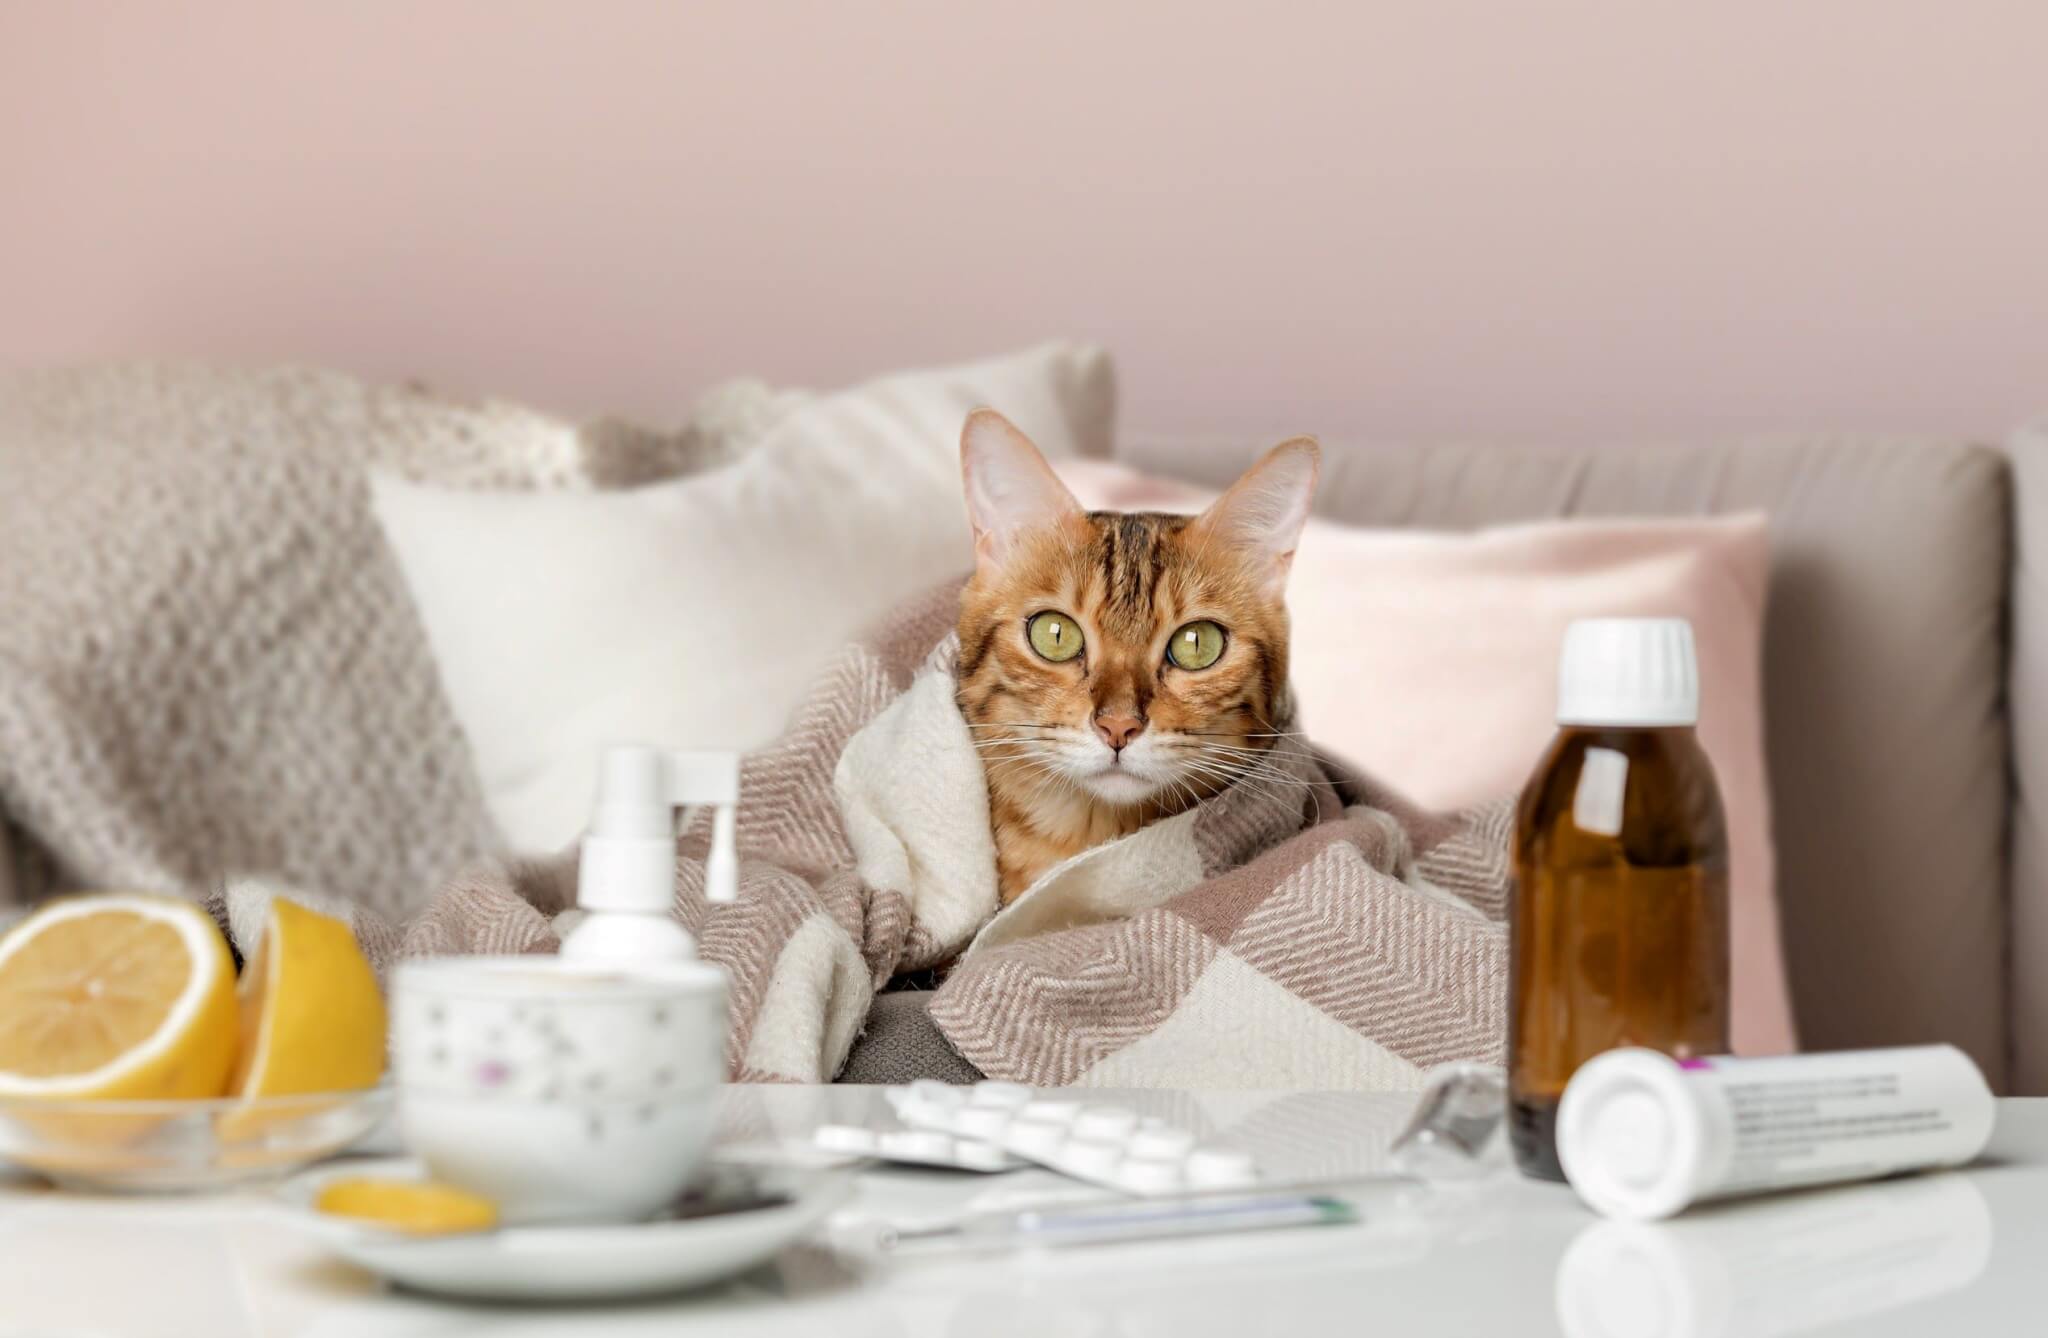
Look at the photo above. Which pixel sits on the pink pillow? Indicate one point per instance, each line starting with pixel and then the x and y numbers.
pixel 1430 659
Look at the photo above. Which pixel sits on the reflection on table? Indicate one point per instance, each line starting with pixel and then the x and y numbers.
pixel 1780 1266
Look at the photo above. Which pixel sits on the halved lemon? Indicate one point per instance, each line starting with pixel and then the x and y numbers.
pixel 416 1207
pixel 116 997
pixel 312 1018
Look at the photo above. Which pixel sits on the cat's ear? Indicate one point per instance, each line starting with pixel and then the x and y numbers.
pixel 1010 488
pixel 1263 512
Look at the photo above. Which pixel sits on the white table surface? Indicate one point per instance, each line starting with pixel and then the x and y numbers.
pixel 1956 1253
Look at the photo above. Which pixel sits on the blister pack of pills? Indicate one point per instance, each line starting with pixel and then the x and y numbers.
pixel 915 1147
pixel 1104 1145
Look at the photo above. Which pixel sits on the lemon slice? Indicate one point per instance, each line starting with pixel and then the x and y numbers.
pixel 118 996
pixel 312 1019
pixel 416 1207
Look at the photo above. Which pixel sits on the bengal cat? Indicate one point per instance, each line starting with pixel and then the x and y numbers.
pixel 1118 668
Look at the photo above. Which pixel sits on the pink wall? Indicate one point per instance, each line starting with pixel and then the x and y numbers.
pixel 1429 218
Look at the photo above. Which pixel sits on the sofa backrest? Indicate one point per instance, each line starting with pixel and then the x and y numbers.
pixel 2027 705
pixel 1884 689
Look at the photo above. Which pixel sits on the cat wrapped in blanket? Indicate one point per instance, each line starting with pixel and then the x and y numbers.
pixel 1119 668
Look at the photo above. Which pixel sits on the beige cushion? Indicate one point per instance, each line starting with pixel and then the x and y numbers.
pixel 1884 686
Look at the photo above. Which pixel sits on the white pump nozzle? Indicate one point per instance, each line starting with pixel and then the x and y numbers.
pixel 713 779
pixel 629 855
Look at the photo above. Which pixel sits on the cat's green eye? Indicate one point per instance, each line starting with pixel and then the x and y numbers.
pixel 1196 646
pixel 1054 636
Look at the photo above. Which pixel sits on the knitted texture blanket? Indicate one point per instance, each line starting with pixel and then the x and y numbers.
pixel 209 663
pixel 1316 934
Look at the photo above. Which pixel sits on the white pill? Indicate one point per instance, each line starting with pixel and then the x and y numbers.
pixel 1002 1095
pixel 981 1156
pixel 927 1115
pixel 983 1122
pixel 1036 1139
pixel 1163 1142
pixel 844 1138
pixel 1104 1122
pixel 922 1144
pixel 938 1094
pixel 1060 1111
pixel 1089 1159
pixel 925 1112
pixel 1146 1175
pixel 1219 1168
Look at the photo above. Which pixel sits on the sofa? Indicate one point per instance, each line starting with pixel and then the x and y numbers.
pixel 1905 646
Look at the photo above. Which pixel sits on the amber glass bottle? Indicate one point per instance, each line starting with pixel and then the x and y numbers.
pixel 1619 916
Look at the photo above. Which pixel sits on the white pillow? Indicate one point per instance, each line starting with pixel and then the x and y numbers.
pixel 694 613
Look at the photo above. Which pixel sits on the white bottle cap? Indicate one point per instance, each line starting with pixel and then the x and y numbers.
pixel 1631 1136
pixel 626 878
pixel 1638 672
pixel 629 853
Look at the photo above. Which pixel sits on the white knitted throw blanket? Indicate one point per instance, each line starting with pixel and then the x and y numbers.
pixel 209 664
pixel 1320 934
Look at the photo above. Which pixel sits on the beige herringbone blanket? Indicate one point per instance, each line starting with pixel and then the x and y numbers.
pixel 1318 934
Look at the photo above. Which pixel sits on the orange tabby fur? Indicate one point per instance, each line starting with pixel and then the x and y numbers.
pixel 1049 732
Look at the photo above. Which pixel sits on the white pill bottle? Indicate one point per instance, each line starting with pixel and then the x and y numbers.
pixel 1642 1135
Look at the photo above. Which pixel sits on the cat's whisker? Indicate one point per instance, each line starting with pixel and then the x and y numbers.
pixel 1251 757
pixel 1265 773
pixel 1227 750
pixel 1229 767
pixel 1234 734
pixel 1207 787
pixel 1036 784
pixel 1267 784
pixel 1035 758
pixel 1244 786
pixel 1237 757
pixel 1250 760
pixel 1026 741
pixel 1045 779
pixel 1266 791
pixel 1213 770
pixel 1012 758
pixel 1274 784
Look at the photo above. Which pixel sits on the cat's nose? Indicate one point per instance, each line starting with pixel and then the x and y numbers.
pixel 1118 730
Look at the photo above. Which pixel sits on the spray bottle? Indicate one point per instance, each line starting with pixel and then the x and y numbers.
pixel 626 883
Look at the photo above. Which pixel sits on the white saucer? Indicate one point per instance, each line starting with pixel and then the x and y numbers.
pixel 737 1231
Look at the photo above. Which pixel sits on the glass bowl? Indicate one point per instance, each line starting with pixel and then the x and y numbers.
pixel 144 1146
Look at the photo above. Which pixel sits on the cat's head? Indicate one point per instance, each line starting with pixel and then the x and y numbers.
pixel 1139 659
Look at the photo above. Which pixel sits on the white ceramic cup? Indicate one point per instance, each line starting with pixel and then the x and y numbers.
pixel 561 1090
